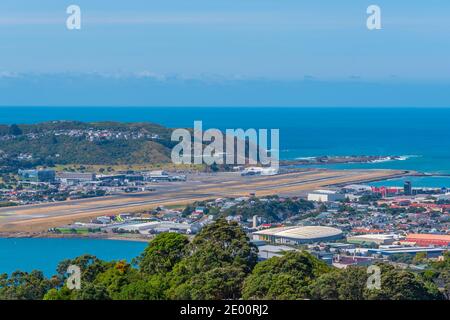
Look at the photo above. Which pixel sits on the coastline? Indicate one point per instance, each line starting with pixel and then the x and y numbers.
pixel 93 236
pixel 324 160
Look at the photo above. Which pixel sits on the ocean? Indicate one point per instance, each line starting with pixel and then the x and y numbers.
pixel 27 254
pixel 420 135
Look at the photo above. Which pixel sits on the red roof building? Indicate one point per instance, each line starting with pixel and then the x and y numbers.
pixel 429 239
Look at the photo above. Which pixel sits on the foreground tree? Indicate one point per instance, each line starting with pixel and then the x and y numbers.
pixel 162 253
pixel 287 277
pixel 149 288
pixel 216 284
pixel 340 284
pixel 219 258
pixel 25 286
pixel 90 266
pixel 224 243
pixel 115 279
pixel 15 130
pixel 403 285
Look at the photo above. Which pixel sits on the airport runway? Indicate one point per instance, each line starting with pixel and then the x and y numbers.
pixel 40 217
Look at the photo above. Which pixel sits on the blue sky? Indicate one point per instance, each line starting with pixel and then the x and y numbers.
pixel 236 41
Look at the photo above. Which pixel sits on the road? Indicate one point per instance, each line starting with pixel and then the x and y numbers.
pixel 40 217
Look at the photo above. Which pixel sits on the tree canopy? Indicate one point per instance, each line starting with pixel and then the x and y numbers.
pixel 220 262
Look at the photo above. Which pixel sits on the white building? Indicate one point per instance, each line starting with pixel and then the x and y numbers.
pixel 255 222
pixel 161 226
pixel 379 239
pixel 325 196
pixel 444 196
pixel 76 177
pixel 255 171
pixel 298 234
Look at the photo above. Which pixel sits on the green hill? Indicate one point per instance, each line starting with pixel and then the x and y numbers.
pixel 69 142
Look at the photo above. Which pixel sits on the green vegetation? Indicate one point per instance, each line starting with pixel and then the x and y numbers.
pixel 144 143
pixel 286 278
pixel 270 208
pixel 163 253
pixel 8 204
pixel 220 263
pixel 15 130
pixel 369 198
pixel 402 258
pixel 75 231
pixel 439 272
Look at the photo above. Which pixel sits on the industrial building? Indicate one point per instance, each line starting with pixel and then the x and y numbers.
pixel 161 226
pixel 76 177
pixel 325 196
pixel 425 239
pixel 368 239
pixel 430 251
pixel 298 235
pixel 37 175
pixel 407 188
pixel 161 175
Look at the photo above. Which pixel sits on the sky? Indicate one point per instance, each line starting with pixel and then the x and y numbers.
pixel 192 46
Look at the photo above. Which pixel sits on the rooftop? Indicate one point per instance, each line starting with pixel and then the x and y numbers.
pixel 308 232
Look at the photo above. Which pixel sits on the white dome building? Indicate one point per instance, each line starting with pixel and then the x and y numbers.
pixel 298 235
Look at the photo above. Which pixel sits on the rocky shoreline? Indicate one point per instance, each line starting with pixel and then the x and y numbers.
pixel 323 160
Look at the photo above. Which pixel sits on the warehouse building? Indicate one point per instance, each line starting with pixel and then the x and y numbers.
pixel 368 239
pixel 76 177
pixel 161 226
pixel 34 175
pixel 325 196
pixel 429 251
pixel 298 235
pixel 425 239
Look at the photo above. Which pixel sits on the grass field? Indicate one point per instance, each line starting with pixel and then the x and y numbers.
pixel 72 231
pixel 110 169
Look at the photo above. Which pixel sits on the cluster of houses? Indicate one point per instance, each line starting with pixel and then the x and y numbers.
pixel 345 226
pixel 91 134
pixel 46 185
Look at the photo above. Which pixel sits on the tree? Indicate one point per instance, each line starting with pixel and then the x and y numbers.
pixel 25 286
pixel 420 257
pixel 219 258
pixel 287 277
pixel 444 280
pixel 403 285
pixel 151 288
pixel 162 253
pixel 15 130
pixel 90 267
pixel 346 284
pixel 115 278
pixel 91 291
pixel 64 293
pixel 228 242
pixel 216 284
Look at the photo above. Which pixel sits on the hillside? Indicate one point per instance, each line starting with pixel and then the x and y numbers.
pixel 69 142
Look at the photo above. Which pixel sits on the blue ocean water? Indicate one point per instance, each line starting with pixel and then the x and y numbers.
pixel 27 254
pixel 425 182
pixel 421 134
